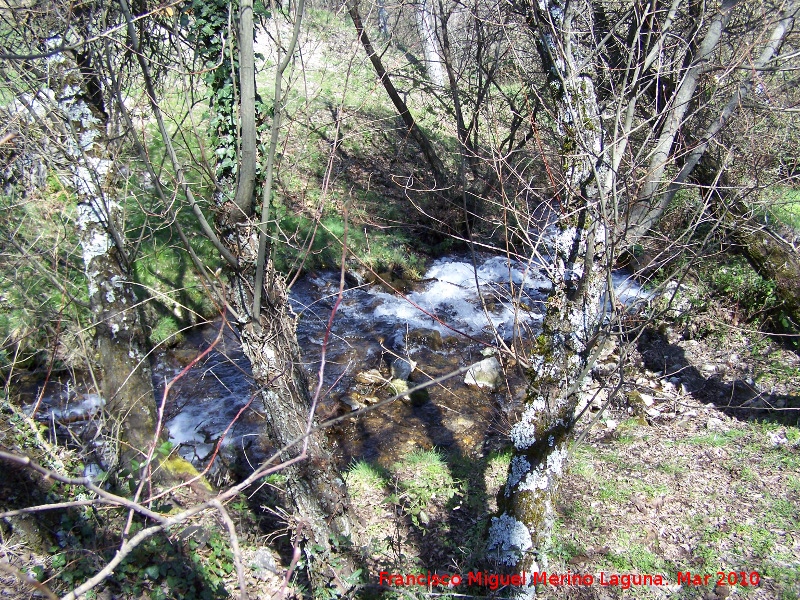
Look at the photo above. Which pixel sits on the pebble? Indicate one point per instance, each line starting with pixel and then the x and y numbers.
pixel 371 377
pixel 351 402
pixel 708 369
pixel 778 438
pixel 262 563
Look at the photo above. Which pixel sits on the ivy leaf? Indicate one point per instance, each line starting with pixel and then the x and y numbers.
pixel 152 571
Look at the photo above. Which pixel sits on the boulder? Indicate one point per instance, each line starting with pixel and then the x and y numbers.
pixel 486 374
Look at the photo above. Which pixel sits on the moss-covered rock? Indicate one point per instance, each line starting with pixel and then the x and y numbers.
pixel 179 468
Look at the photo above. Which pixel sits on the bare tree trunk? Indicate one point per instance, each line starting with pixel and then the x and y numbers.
pixel 246 176
pixel 321 507
pixel 770 249
pixel 646 212
pixel 383 20
pixel 652 201
pixel 426 25
pixel 435 163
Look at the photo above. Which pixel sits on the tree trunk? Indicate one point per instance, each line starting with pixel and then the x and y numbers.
pixel 119 342
pixel 426 25
pixel 770 250
pixel 435 163
pixel 774 258
pixel 246 176
pixel 542 436
pixel 321 507
pixel 257 293
pixel 652 201
pixel 383 20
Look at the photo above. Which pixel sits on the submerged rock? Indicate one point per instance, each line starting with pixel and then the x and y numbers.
pixel 486 374
pixel 425 338
pixel 400 387
pixel 401 368
pixel 75 412
pixel 351 401
pixel 371 377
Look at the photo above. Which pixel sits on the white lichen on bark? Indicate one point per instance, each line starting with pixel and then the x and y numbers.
pixel 544 474
pixel 542 434
pixel 519 468
pixel 509 539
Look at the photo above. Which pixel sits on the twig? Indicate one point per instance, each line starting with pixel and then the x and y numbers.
pixel 83 481
pixel 27 580
pixel 296 554
pixel 237 552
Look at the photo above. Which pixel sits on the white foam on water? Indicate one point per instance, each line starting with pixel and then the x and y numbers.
pixel 448 292
pixel 627 290
pixel 451 295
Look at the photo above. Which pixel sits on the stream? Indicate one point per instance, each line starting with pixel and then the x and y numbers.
pixel 442 324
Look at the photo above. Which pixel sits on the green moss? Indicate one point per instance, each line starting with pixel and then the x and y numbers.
pixel 166 332
pixel 180 468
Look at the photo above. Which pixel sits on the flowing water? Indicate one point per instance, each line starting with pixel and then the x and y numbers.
pixel 443 323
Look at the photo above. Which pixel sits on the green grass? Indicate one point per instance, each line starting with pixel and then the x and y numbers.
pixel 671 467
pixel 783 205
pixel 314 245
pixel 496 473
pixel 424 476
pixel 364 479
pixel 582 461
pixel 637 559
pixel 618 491
pixel 716 439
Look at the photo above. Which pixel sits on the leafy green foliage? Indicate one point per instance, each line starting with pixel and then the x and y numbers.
pixel 737 282
pixel 157 568
pixel 43 295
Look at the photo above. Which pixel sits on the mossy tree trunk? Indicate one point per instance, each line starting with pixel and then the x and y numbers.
pixel 119 341
pixel 580 263
pixel 775 258
pixel 319 504
pixel 769 247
